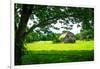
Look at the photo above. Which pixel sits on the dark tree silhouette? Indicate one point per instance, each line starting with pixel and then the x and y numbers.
pixel 20 32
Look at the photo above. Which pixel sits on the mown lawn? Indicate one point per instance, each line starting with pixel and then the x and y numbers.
pixel 47 52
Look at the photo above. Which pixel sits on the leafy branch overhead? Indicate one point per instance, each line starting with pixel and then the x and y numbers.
pixel 47 15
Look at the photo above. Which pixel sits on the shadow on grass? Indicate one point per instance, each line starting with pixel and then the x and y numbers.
pixel 43 57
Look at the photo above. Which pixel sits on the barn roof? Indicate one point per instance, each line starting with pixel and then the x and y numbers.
pixel 63 35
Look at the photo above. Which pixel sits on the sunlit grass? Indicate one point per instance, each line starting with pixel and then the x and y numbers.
pixel 42 52
pixel 48 45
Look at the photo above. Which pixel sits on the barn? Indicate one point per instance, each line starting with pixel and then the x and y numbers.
pixel 67 37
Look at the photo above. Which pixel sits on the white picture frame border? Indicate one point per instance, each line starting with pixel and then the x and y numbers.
pixel 71 3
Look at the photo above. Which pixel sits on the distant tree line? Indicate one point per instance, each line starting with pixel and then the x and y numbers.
pixel 85 35
pixel 51 36
pixel 38 36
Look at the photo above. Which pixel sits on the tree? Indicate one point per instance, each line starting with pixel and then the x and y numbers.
pixel 46 16
pixel 20 30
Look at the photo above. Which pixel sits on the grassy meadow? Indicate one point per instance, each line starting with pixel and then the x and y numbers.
pixel 41 52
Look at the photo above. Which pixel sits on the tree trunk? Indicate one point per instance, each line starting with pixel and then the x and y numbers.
pixel 20 32
pixel 19 45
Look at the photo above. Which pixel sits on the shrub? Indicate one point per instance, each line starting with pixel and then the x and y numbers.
pixel 78 36
pixel 56 41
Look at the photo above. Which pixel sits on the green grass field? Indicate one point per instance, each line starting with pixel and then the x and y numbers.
pixel 47 52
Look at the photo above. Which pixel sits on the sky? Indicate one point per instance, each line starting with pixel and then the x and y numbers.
pixel 74 29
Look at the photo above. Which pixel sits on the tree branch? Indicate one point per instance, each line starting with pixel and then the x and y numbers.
pixel 45 22
pixel 25 14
